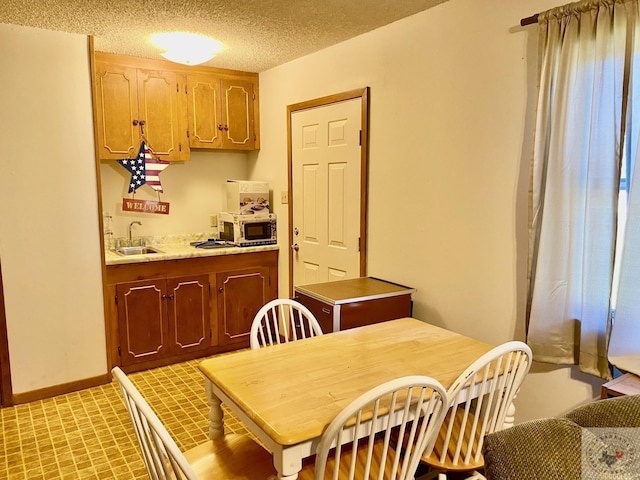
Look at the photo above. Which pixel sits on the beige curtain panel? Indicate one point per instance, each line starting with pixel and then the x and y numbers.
pixel 585 52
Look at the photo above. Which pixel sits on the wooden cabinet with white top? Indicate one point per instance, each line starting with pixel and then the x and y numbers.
pixel 355 302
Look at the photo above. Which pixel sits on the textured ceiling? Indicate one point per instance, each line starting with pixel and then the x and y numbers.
pixel 257 34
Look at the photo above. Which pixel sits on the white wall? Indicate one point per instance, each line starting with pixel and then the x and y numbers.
pixel 194 190
pixel 452 103
pixel 49 234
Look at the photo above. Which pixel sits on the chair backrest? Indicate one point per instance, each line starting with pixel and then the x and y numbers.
pixel 161 455
pixel 350 447
pixel 282 320
pixel 479 400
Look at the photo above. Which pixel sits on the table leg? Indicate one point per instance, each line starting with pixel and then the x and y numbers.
pixel 216 420
pixel 288 462
pixel 510 417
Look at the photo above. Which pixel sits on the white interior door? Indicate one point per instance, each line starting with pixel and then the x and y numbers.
pixel 326 171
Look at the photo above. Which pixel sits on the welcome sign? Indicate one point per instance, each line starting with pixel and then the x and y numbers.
pixel 145 206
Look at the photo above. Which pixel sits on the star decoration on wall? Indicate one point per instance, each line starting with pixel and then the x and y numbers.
pixel 144 169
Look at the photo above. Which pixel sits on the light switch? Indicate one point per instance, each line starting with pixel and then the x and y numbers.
pixel 284 196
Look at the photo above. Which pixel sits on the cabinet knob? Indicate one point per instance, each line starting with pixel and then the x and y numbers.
pixel 220 127
pixel 226 127
pixel 135 122
pixel 220 290
pixel 295 247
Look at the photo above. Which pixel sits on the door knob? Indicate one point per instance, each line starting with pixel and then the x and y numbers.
pixel 295 247
pixel 295 231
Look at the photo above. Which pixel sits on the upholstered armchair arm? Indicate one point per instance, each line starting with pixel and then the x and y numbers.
pixel 619 412
pixel 549 448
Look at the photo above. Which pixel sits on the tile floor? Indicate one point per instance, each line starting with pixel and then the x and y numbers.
pixel 88 435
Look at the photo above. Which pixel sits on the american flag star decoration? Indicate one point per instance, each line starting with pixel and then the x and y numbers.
pixel 153 167
pixel 144 169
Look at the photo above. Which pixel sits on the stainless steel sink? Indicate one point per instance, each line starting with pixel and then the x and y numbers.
pixel 139 250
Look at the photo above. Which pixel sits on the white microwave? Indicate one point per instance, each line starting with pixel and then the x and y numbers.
pixel 248 230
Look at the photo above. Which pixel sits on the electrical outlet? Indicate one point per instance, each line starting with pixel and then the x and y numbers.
pixel 284 196
pixel 213 221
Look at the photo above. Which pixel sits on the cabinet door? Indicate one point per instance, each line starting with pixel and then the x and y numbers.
pixel 159 107
pixel 241 293
pixel 116 109
pixel 142 321
pixel 237 114
pixel 188 308
pixel 203 107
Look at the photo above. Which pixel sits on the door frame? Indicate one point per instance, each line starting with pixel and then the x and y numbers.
pixel 6 392
pixel 363 94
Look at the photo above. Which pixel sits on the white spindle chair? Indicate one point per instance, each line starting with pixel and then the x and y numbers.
pixel 479 402
pixel 351 431
pixel 232 456
pixel 282 320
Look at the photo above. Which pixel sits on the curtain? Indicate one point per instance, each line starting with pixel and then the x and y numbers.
pixel 624 346
pixel 575 181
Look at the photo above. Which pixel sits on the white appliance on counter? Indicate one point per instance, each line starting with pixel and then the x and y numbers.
pixel 248 230
pixel 248 197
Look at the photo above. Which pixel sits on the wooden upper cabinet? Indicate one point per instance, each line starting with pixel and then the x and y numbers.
pixel 222 111
pixel 203 106
pixel 159 107
pixel 176 107
pixel 237 113
pixel 116 108
pixel 133 101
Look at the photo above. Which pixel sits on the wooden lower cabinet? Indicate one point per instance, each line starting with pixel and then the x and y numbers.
pixel 163 317
pixel 170 311
pixel 241 293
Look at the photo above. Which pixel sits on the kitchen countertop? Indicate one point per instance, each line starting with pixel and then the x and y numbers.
pixel 178 247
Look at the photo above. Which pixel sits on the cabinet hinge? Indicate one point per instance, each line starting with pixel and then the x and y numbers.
pixel 360 139
pixel 177 88
pixel 359 243
pixel 187 133
pixel 116 299
pixel 186 91
pixel 180 146
pixel 119 351
pixel 253 95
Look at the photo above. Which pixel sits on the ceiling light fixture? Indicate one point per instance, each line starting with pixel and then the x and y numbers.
pixel 186 48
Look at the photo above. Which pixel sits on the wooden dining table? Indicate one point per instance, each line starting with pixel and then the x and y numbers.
pixel 287 394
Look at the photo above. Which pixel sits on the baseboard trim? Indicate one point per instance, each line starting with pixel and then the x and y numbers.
pixel 56 390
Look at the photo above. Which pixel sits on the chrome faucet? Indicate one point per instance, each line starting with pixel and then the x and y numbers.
pixel 131 225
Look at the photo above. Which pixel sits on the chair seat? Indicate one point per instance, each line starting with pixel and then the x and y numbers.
pixel 433 460
pixel 232 456
pixel 307 472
